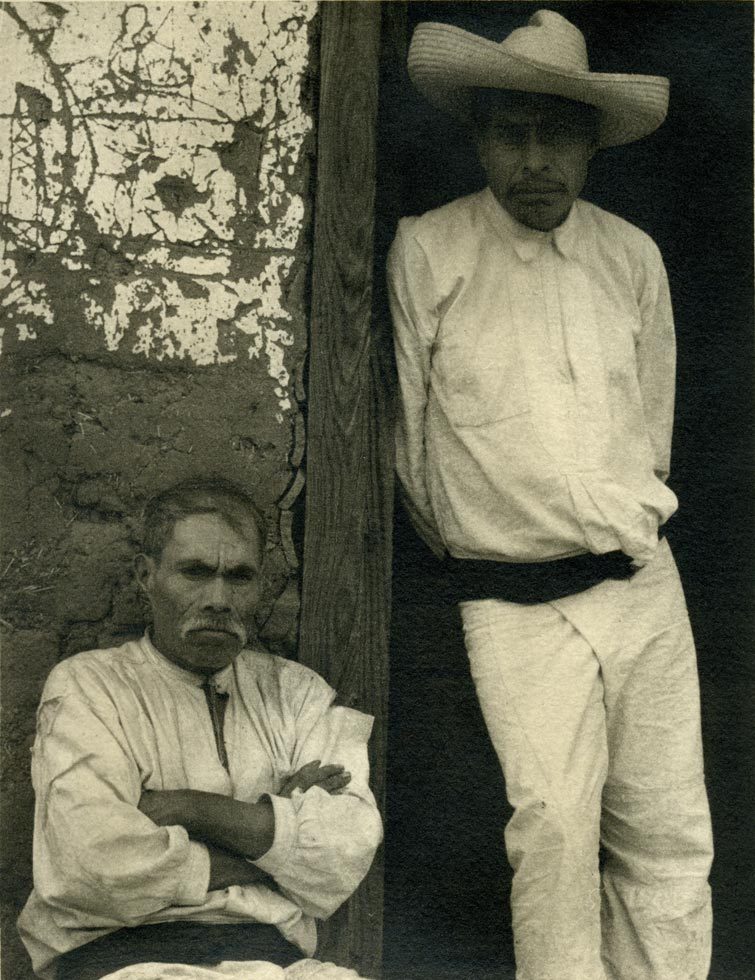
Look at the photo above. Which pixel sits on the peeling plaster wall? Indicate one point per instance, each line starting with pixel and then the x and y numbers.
pixel 155 204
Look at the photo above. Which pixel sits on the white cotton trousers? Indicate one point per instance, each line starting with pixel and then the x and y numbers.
pixel 592 706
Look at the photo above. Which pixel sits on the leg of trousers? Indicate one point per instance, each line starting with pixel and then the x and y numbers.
pixel 592 706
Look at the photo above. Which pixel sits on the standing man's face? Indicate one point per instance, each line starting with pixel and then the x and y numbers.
pixel 535 150
pixel 203 590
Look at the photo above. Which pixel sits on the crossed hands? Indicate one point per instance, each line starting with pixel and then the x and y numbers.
pixel 330 778
pixel 167 807
pixel 236 833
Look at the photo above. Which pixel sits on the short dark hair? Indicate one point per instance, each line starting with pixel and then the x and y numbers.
pixel 209 495
pixel 484 101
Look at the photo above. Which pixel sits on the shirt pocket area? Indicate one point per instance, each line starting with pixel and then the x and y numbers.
pixel 477 391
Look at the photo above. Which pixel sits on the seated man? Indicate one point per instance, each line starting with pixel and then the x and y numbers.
pixel 198 801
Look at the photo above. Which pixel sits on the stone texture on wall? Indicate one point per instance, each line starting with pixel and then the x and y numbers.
pixel 155 203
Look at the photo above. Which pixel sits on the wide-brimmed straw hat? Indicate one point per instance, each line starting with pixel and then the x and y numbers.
pixel 547 56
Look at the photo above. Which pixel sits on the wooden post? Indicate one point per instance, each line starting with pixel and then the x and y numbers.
pixel 345 607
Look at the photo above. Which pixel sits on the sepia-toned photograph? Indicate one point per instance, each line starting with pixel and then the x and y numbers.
pixel 377 520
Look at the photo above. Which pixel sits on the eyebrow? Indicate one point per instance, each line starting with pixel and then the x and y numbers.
pixel 244 568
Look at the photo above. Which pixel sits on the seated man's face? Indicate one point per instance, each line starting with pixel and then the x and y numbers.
pixel 203 590
pixel 535 150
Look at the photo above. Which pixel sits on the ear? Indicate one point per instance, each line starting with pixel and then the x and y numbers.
pixel 144 566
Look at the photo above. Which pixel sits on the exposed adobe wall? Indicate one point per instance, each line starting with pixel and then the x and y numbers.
pixel 155 207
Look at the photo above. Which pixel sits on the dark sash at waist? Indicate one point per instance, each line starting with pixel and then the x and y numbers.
pixel 193 943
pixel 466 579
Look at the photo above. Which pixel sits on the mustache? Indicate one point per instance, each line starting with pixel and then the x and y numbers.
pixel 221 624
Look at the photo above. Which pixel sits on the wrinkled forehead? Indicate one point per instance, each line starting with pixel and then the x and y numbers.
pixel 207 536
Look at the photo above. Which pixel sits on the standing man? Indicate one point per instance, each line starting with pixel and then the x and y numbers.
pixel 535 350
pixel 199 802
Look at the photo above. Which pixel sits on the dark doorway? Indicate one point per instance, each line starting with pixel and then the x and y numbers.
pixel 690 187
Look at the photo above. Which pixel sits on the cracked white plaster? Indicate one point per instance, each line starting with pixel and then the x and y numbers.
pixel 265 291
pixel 261 324
pixel 285 234
pixel 175 325
pixel 198 266
pixel 26 298
pixel 142 151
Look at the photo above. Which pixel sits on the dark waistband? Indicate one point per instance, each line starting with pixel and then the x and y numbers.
pixel 193 943
pixel 528 583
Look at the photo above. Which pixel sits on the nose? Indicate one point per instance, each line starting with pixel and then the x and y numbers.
pixel 534 153
pixel 217 595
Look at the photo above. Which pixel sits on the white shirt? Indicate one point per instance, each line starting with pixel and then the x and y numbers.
pixel 113 723
pixel 536 373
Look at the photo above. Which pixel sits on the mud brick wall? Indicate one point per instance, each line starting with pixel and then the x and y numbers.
pixel 155 209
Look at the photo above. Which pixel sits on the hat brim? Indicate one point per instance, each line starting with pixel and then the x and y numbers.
pixel 447 64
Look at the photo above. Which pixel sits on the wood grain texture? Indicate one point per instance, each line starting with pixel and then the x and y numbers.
pixel 349 494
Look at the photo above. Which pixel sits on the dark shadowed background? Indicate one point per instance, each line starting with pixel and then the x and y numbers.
pixel 690 187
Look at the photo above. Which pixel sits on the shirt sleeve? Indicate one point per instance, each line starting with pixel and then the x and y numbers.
pixel 324 844
pixel 99 861
pixel 414 329
pixel 656 362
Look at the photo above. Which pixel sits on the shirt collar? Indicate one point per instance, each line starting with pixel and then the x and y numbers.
pixel 528 243
pixel 220 681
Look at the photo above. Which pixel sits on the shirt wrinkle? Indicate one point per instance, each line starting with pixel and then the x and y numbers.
pixel 129 720
pixel 536 372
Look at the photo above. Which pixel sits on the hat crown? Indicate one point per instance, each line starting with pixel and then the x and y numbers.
pixel 549 57
pixel 549 39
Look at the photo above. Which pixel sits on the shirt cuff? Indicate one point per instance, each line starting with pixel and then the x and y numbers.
pixel 276 859
pixel 195 877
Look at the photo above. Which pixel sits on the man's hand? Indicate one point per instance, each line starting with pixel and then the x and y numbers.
pixel 330 778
